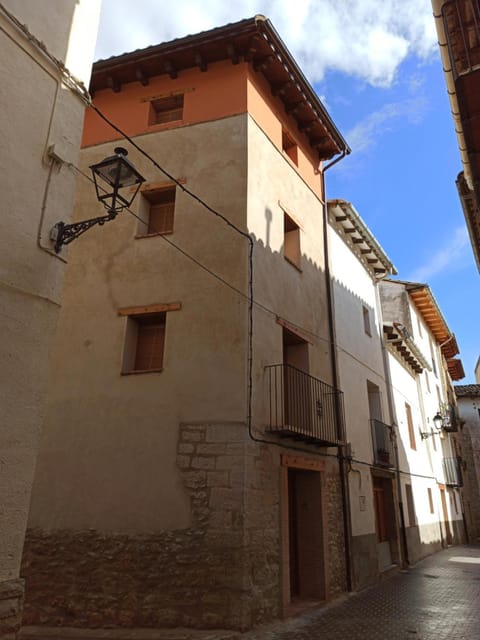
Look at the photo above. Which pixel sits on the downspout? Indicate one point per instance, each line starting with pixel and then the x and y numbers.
pixel 341 435
pixel 394 423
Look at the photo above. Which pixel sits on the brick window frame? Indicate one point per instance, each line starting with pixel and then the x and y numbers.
pixel 144 344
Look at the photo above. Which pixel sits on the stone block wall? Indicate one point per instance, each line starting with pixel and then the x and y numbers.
pixel 11 600
pixel 224 571
pixel 336 540
pixel 220 572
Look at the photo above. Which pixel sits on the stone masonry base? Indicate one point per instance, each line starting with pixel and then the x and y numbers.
pixel 223 572
pixel 11 601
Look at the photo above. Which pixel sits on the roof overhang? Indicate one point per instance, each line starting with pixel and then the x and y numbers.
pixel 467 390
pixel 399 338
pixel 346 219
pixel 455 368
pixel 426 304
pixel 471 211
pixel 255 41
pixel 458 28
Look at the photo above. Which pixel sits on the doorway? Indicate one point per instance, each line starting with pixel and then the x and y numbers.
pixel 296 390
pixel 446 521
pixel 305 535
pixel 383 503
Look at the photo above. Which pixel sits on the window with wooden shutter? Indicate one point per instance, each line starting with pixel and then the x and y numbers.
pixel 168 109
pixel 410 505
pixel 291 238
pixel 150 342
pixel 158 212
pixel 411 432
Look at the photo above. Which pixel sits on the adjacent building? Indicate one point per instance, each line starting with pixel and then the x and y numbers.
pixel 458 28
pixel 421 366
pixel 468 399
pixel 42 117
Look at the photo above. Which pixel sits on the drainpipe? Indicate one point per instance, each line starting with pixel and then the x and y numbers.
pixel 393 422
pixel 341 435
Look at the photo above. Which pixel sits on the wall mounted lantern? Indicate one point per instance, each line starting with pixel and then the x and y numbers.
pixel 437 423
pixel 110 175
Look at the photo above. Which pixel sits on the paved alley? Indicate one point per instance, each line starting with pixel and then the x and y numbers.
pixel 438 599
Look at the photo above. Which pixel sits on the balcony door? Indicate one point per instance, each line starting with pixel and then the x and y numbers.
pixel 297 404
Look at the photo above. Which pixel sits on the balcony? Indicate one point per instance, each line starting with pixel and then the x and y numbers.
pixel 453 472
pixel 449 418
pixel 382 444
pixel 303 407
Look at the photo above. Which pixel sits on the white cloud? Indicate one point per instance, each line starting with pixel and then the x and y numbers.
pixel 364 38
pixel 451 255
pixel 369 130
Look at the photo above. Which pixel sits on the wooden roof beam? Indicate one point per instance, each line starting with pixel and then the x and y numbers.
pixel 170 69
pixel 201 62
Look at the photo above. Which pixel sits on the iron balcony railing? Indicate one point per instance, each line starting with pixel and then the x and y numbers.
pixel 303 407
pixel 382 443
pixel 453 472
pixel 461 21
pixel 449 418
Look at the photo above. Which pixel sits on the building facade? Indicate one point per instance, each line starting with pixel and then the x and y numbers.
pixel 468 399
pixel 42 117
pixel 421 364
pixel 189 471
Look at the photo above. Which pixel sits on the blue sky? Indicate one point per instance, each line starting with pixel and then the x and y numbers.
pixel 377 68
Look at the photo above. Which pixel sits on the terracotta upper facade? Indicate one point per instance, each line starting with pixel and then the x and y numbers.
pixel 222 59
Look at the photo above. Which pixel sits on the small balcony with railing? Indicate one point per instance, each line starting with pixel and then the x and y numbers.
pixel 382 444
pixel 452 470
pixel 303 407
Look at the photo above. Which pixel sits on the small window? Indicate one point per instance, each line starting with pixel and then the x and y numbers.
pixel 434 365
pixel 145 342
pixel 455 502
pixel 427 381
pixel 366 321
pixel 410 505
pixel 419 324
pixel 169 109
pixel 411 432
pixel 290 147
pixel 291 246
pixel 157 212
pixel 430 500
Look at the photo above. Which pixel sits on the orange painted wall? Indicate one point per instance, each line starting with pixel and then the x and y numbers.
pixel 269 113
pixel 217 93
pixel 224 90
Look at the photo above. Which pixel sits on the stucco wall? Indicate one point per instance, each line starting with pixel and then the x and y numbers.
pixel 34 195
pixel 125 427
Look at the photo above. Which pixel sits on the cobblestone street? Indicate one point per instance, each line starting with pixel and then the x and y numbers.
pixel 438 599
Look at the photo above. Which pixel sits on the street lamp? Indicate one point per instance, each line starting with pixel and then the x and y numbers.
pixel 109 176
pixel 437 423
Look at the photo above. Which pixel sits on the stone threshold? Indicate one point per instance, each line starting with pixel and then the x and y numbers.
pixel 74 633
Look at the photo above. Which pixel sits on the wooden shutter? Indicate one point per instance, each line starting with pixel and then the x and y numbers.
pixel 162 210
pixel 167 109
pixel 150 343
